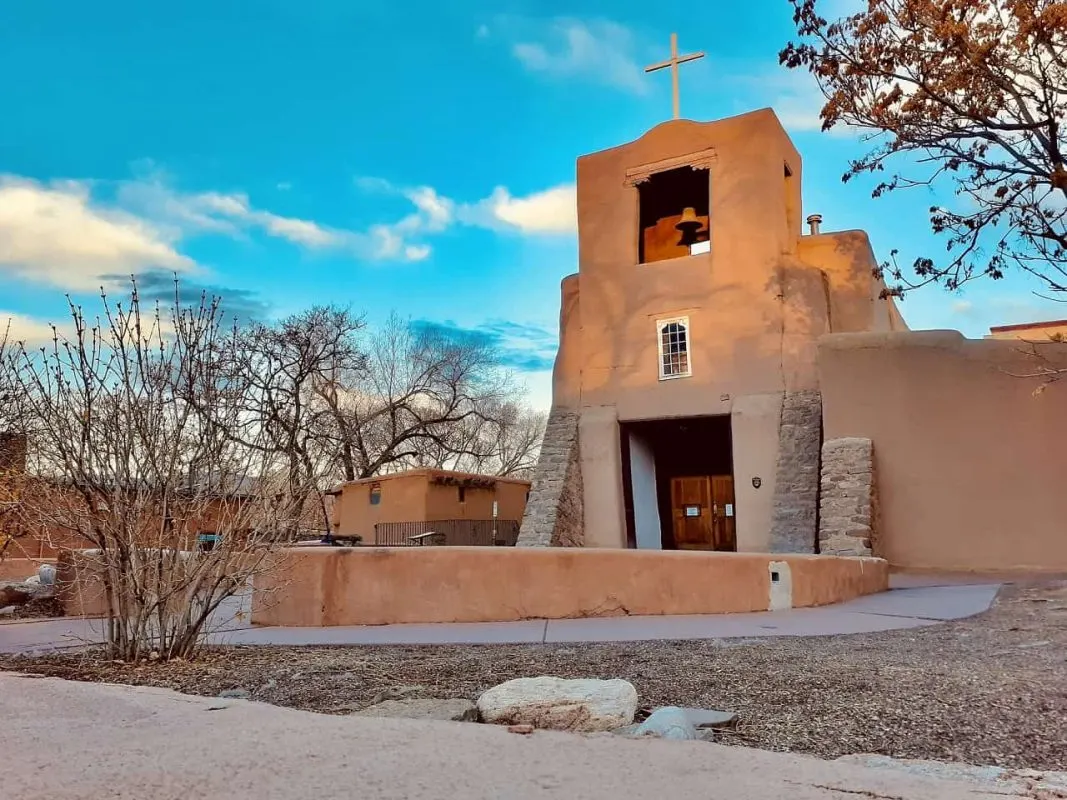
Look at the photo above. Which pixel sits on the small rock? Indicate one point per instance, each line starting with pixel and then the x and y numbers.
pixel 153 656
pixel 448 710
pixel 558 704
pixel 235 694
pixel 8 611
pixel 525 730
pixel 47 574
pixel 670 722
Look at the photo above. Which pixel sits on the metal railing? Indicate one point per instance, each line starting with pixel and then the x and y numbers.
pixel 448 533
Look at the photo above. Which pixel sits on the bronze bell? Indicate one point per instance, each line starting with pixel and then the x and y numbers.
pixel 689 222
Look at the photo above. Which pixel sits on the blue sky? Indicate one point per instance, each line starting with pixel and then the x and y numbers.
pixel 413 157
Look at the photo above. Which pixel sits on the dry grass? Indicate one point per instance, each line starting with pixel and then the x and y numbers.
pixel 988 690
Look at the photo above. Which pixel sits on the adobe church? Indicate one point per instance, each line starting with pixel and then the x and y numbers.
pixel 729 378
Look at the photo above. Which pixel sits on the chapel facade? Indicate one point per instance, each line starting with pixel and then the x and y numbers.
pixel 686 406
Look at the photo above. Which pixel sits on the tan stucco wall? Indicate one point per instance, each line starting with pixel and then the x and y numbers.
pixel 19 569
pixel 970 464
pixel 855 302
pixel 442 502
pixel 730 294
pixel 403 499
pixel 601 460
pixel 372 586
pixel 755 420
pixel 414 497
pixel 567 370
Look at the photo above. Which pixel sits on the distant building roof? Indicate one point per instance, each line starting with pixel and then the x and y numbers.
pixel 1029 326
pixel 438 474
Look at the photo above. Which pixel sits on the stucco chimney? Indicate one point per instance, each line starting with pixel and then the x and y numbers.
pixel 814 221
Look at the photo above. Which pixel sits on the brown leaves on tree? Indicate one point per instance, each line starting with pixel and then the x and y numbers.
pixel 970 91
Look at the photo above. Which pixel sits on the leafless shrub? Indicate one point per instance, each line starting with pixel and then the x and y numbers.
pixel 177 513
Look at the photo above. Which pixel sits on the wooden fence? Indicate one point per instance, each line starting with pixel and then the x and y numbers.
pixel 448 532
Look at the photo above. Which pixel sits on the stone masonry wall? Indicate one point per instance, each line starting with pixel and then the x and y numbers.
pixel 795 516
pixel 849 508
pixel 554 513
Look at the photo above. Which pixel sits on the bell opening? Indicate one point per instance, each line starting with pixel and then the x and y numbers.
pixel 674 213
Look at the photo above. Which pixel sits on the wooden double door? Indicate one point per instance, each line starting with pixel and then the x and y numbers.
pixel 702 512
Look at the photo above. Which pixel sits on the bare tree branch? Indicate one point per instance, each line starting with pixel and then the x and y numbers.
pixel 973 90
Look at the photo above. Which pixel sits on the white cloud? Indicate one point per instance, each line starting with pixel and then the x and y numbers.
pixel 20 328
pixel 233 213
pixel 56 234
pixel 437 211
pixel 65 235
pixel 298 231
pixel 548 212
pixel 417 252
pixel 598 50
pixel 552 211
pixel 793 94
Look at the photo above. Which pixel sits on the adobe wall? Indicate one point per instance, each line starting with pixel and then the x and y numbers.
pixel 969 463
pixel 403 499
pixel 19 569
pixel 854 295
pixel 733 295
pixel 372 586
pixel 442 501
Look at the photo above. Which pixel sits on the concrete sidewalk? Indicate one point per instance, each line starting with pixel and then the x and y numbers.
pixel 912 607
pixel 82 741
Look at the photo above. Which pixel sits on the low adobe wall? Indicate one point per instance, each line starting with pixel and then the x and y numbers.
pixel 19 569
pixel 80 585
pixel 968 460
pixel 380 586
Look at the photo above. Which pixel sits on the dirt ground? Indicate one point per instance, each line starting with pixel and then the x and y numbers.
pixel 988 690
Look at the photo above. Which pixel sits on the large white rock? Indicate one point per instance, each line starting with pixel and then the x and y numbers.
pixel 560 704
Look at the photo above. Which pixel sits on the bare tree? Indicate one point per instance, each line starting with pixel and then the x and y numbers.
pixel 417 390
pixel 289 367
pixel 503 439
pixel 972 92
pixel 12 449
pixel 177 513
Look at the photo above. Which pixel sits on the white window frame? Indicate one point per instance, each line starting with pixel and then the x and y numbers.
pixel 660 325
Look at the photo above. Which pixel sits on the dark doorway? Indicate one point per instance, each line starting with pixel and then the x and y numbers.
pixel 678 483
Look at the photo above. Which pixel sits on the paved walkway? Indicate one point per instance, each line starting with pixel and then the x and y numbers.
pixel 140 742
pixel 915 603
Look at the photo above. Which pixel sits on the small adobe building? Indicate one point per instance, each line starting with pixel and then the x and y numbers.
pixel 730 377
pixel 391 509
pixel 1052 330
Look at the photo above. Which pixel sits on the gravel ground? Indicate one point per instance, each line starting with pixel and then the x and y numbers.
pixel 988 690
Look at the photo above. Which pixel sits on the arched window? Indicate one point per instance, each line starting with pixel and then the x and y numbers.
pixel 673 348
